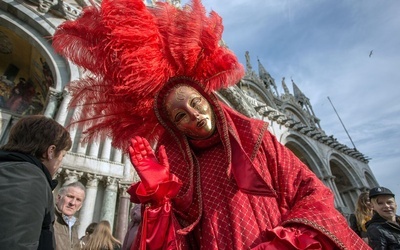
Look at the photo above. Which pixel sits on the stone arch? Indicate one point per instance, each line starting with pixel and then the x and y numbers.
pixel 37 38
pixel 257 91
pixel 294 113
pixel 347 181
pixel 306 153
pixel 370 180
pixel 34 65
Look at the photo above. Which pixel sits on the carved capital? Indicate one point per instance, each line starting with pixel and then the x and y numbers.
pixel 72 176
pixel 123 188
pixel 93 180
pixel 55 95
pixel 111 183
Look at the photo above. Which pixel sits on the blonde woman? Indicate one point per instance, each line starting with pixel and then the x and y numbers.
pixel 362 214
pixel 102 238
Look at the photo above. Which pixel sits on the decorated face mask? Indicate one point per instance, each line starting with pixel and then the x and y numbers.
pixel 190 112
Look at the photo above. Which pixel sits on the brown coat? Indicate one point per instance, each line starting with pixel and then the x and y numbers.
pixel 61 232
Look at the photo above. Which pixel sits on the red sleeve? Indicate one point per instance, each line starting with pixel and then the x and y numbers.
pixel 159 225
pixel 303 198
pixel 296 238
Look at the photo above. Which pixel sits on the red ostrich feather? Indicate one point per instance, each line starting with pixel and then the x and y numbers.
pixel 130 51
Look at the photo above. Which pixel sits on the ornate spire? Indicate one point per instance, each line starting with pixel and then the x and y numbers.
pixel 300 97
pixel 266 77
pixel 248 64
pixel 285 88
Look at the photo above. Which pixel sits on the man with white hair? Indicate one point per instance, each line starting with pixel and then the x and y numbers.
pixel 69 200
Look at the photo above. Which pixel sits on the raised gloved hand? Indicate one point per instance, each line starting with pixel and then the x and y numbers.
pixel 151 171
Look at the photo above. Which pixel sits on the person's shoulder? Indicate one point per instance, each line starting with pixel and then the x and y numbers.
pixel 375 226
pixel 23 166
pixel 24 171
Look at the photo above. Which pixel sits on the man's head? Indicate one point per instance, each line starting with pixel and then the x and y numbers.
pixel 41 137
pixel 383 202
pixel 70 198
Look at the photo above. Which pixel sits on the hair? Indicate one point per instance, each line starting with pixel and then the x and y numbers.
pixel 90 229
pixel 363 211
pixel 77 184
pixel 34 134
pixel 102 238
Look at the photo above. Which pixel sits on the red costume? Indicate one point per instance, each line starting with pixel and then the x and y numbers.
pixel 238 189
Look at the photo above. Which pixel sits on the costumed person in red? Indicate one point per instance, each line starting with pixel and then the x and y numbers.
pixel 211 178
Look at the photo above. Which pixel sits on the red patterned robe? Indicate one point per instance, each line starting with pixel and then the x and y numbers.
pixel 240 189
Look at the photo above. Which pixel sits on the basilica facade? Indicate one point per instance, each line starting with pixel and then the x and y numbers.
pixel 34 81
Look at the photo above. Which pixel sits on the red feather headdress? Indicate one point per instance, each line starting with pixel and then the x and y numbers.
pixel 130 52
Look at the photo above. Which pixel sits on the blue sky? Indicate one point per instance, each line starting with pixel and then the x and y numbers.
pixel 324 47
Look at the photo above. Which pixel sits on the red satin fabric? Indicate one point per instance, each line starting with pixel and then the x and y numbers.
pixel 299 238
pixel 162 194
pixel 159 228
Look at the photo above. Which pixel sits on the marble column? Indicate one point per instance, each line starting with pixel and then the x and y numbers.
pixel 53 99
pixel 86 213
pixel 130 173
pixel 75 131
pixel 117 157
pixel 331 184
pixel 106 151
pixel 63 109
pixel 123 213
pixel 94 148
pixel 82 147
pixel 109 200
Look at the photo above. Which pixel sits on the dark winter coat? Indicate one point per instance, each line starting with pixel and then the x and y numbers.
pixel 382 234
pixel 27 209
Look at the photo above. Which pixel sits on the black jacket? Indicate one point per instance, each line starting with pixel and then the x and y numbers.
pixel 27 209
pixel 383 234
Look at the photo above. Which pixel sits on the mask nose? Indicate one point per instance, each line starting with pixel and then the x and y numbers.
pixel 195 115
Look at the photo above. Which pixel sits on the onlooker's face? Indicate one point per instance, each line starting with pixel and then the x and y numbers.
pixel 70 202
pixel 52 161
pixel 55 163
pixel 385 206
pixel 190 112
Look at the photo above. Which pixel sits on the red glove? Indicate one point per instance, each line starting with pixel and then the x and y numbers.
pixel 150 170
